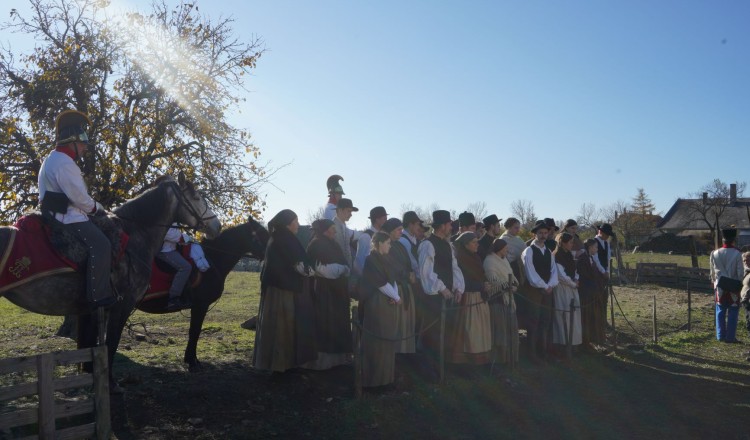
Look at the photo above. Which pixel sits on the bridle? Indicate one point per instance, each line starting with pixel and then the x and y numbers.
pixel 183 202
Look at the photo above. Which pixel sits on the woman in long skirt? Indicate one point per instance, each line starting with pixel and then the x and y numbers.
pixel 565 292
pixel 286 327
pixel 382 305
pixel 470 340
pixel 405 278
pixel 590 288
pixel 330 298
pixel 502 302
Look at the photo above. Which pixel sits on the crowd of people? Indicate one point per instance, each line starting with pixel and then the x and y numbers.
pixel 407 277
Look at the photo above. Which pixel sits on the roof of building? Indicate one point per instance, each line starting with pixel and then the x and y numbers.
pixel 682 216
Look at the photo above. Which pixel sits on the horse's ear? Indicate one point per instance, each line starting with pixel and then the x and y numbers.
pixel 181 178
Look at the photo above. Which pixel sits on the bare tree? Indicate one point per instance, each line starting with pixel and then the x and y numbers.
pixel 424 212
pixel 479 209
pixel 587 215
pixel 709 204
pixel 315 214
pixel 523 210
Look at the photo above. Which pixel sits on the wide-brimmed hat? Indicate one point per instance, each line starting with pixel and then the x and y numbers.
pixel 490 220
pixel 410 217
pixel 540 224
pixel 377 212
pixel 551 224
pixel 346 203
pixel 466 219
pixel 607 229
pixel 440 217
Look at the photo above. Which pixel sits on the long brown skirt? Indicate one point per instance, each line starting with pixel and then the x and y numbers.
pixel 504 327
pixel 470 338
pixel 407 322
pixel 380 329
pixel 286 332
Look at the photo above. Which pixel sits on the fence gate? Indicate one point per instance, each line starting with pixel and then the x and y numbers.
pixel 40 421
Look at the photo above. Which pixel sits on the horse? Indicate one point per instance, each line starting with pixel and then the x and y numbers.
pixel 145 219
pixel 222 253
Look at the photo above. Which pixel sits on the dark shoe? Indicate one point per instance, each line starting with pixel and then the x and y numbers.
pixel 250 323
pixel 176 304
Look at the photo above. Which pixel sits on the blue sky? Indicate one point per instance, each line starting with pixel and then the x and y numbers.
pixel 560 103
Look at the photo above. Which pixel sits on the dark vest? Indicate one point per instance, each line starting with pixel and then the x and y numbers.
pixel 542 263
pixel 602 254
pixel 443 260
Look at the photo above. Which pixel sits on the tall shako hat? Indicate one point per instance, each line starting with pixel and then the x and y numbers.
pixel 333 184
pixel 70 126
pixel 729 233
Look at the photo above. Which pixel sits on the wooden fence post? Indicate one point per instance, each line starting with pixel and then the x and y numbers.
pixel 442 343
pixel 512 338
pixel 690 307
pixel 357 351
pixel 46 391
pixel 101 392
pixel 656 340
pixel 571 313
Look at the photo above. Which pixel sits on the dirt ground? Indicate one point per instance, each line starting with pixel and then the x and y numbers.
pixel 687 386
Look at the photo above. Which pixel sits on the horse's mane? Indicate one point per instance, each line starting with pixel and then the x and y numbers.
pixel 233 238
pixel 147 208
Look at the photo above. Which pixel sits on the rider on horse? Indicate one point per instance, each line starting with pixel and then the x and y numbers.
pixel 64 198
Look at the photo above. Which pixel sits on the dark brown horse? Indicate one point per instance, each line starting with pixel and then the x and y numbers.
pixel 145 219
pixel 222 253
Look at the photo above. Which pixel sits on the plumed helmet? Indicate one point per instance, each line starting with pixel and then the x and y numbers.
pixel 70 126
pixel 333 184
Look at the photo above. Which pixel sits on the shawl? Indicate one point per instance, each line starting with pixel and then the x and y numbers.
pixel 498 269
pixel 324 250
pixel 284 251
pixel 565 259
pixel 471 267
pixel 378 272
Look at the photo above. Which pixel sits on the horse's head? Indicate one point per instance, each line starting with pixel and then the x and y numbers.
pixel 260 238
pixel 193 210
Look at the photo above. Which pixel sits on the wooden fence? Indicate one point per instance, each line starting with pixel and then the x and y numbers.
pixel 670 275
pixel 49 410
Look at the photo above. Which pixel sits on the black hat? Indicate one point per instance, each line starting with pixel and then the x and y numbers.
pixel 377 212
pixel 391 225
pixel 466 219
pixel 410 217
pixel 490 220
pixel 440 217
pixel 346 203
pixel 333 184
pixel 729 233
pixel 551 224
pixel 321 225
pixel 540 224
pixel 607 229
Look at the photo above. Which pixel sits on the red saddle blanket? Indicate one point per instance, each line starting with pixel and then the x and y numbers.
pixel 29 254
pixel 161 280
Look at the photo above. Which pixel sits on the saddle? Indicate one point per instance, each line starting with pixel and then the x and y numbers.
pixel 37 248
pixel 162 275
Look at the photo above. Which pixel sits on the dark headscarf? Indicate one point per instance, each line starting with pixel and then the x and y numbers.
pixel 470 263
pixel 284 218
pixel 320 226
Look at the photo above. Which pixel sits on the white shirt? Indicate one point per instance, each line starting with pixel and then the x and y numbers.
pixel 531 274
pixel 409 241
pixel 726 262
pixel 390 290
pixel 364 245
pixel 171 239
pixel 59 173
pixel 343 238
pixel 431 284
pixel 330 211
pixel 564 278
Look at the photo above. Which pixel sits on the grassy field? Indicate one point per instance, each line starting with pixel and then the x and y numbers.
pixel 677 388
pixel 645 257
